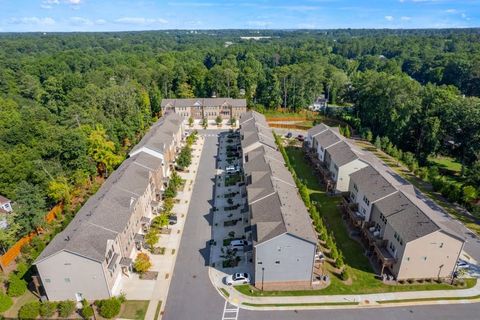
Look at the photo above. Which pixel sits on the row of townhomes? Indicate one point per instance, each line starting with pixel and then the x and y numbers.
pixel 5 209
pixel 283 238
pixel 94 253
pixel 404 231
pixel 209 108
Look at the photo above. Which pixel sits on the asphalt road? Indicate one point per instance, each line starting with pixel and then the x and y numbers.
pixel 192 295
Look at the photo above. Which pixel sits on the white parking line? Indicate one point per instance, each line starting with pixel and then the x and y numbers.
pixel 230 311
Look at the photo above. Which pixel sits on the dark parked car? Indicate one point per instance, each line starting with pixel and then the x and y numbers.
pixel 300 137
pixel 289 135
pixel 172 220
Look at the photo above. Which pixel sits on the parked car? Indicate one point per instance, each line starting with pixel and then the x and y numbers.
pixel 300 137
pixel 462 264
pixel 238 244
pixel 288 135
pixel 172 219
pixel 232 169
pixel 237 278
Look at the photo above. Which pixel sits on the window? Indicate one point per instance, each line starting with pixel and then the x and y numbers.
pixel 67 280
pixel 277 262
pixel 382 217
pixel 355 187
pixel 367 202
pixel 425 258
pixel 407 258
pixel 260 262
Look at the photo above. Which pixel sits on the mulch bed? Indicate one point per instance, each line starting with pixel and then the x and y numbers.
pixel 149 275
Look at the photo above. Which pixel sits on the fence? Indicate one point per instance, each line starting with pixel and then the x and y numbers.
pixel 289 126
pixel 15 250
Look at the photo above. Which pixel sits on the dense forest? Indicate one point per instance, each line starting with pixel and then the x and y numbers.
pixel 72 104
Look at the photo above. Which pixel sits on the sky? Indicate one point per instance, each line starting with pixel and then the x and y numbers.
pixel 125 15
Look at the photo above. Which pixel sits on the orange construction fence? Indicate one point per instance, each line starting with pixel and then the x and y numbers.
pixel 299 119
pixel 15 250
pixel 288 126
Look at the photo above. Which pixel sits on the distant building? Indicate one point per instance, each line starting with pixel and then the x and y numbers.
pixel 93 255
pixel 210 108
pixel 320 104
pixel 5 205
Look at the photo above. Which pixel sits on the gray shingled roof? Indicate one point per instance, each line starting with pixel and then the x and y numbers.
pixel 107 212
pixel 341 153
pixel 319 128
pixel 405 217
pixel 160 134
pixel 327 138
pixel 275 204
pixel 372 183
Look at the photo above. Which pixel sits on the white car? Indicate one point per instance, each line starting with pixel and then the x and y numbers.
pixel 230 169
pixel 237 278
pixel 238 244
pixel 462 264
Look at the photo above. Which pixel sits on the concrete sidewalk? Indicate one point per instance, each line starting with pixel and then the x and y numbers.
pixel 362 300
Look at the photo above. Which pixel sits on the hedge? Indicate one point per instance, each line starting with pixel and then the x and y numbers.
pixel 5 302
pixel 66 308
pixel 29 311
pixel 16 286
pixel 109 308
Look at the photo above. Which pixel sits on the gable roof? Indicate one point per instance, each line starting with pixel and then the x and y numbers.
pixel 373 185
pixel 327 138
pixel 107 212
pixel 406 219
pixel 342 153
pixel 319 128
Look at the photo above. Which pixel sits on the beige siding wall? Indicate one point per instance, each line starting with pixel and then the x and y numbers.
pixel 65 274
pixel 343 175
pixel 432 256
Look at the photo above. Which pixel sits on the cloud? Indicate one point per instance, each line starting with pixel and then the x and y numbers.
pixel 80 21
pixel 73 1
pixel 48 4
pixel 389 18
pixel 140 20
pixel 451 11
pixel 405 18
pixel 47 21
pixel 100 21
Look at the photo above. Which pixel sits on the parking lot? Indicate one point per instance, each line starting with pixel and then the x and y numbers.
pixel 230 218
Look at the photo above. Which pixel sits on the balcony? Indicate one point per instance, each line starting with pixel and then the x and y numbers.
pixel 351 210
pixel 372 235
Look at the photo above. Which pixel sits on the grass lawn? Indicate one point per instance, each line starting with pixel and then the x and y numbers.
pixel 363 278
pixel 300 304
pixel 430 299
pixel 447 163
pixel 134 309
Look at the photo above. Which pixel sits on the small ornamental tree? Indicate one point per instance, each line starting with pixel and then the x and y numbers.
pixel 66 308
pixel 5 302
pixel 87 310
pixel 16 286
pixel 29 311
pixel 47 309
pixel 142 263
pixel 109 308
pixel 218 120
pixel 378 143
pixel 190 121
pixel 204 123
pixel 151 238
pixel 233 122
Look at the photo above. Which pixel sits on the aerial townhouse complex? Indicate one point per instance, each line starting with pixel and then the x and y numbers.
pixel 284 241
pixel 209 108
pixel 94 253
pixel 403 232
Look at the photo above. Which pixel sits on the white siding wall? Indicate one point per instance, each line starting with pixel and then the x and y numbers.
pixel 295 257
pixel 65 274
pixel 343 175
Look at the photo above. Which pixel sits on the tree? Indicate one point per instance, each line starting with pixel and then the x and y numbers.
pixel 184 158
pixel 378 143
pixel 346 131
pixel 204 123
pixel 102 151
pixel 469 194
pixel 142 263
pixel 160 221
pixel 29 311
pixel 151 238
pixel 87 310
pixel 218 120
pixel 5 302
pixel 16 286
pixel 31 207
pixel 233 121
pixel 59 190
pixel 190 121
pixel 109 308
pixel 66 308
pixel 47 309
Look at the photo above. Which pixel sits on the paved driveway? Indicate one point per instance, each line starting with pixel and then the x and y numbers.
pixel 191 294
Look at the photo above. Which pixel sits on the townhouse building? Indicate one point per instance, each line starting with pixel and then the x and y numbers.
pixel 5 205
pixel 94 253
pixel 406 237
pixel 281 231
pixel 209 108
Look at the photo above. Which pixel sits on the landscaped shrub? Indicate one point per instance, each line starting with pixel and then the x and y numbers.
pixel 5 302
pixel 22 269
pixel 87 310
pixel 109 308
pixel 142 263
pixel 47 309
pixel 29 311
pixel 66 308
pixel 16 286
pixel 344 275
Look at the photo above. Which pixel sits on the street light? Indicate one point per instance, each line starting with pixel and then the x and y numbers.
pixel 263 276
